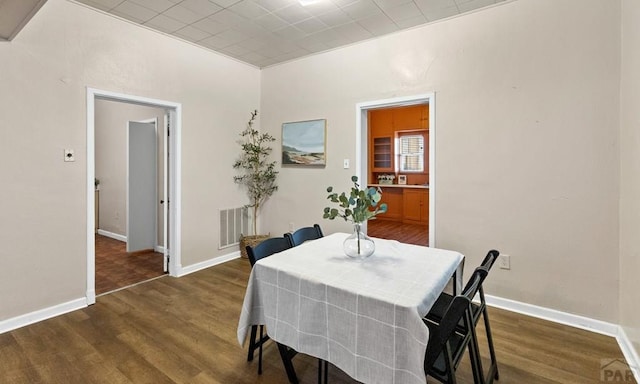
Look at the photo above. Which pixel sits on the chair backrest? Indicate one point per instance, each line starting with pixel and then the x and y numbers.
pixel 303 234
pixel 267 248
pixel 460 308
pixel 487 263
pixel 490 259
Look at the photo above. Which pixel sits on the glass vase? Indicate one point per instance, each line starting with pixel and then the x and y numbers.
pixel 358 245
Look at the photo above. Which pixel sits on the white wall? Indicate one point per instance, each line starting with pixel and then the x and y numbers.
pixel 527 99
pixel 629 176
pixel 44 73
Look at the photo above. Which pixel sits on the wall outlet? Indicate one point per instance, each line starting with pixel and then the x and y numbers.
pixel 291 227
pixel 504 261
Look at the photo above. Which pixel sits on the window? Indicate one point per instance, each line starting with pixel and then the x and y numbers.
pixel 411 153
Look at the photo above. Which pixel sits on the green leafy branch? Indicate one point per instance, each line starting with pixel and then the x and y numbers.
pixel 258 174
pixel 359 206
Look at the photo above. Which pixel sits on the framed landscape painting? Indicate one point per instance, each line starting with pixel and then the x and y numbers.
pixel 304 143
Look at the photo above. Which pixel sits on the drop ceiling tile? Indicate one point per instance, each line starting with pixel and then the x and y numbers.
pixel 442 13
pixel 252 56
pixel 156 5
pixel 290 56
pixel 210 26
pixel 226 38
pixel 292 14
pixel 248 9
pixel 192 34
pixel 251 29
pixel 235 50
pixel 227 17
pixel 386 4
pixel 271 22
pixel 97 5
pixel 274 5
pixel 353 31
pixel 336 17
pixel 437 4
pixel 165 24
pixel 224 3
pixel 255 43
pixel 320 7
pixel 201 7
pixel 268 52
pixel 104 4
pixel 343 3
pixel 285 46
pixel 378 25
pixel 311 25
pixel 362 9
pixel 290 33
pixel 338 42
pixel 134 12
pixel 183 14
pixel 312 44
pixel 403 12
pixel 412 22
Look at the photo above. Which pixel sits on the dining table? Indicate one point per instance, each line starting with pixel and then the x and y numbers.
pixel 364 316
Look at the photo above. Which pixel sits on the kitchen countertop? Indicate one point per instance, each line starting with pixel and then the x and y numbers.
pixel 418 186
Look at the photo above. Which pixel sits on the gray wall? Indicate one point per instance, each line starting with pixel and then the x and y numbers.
pixel 44 74
pixel 111 119
pixel 527 158
pixel 630 178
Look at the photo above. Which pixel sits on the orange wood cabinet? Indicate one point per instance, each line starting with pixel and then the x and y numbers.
pixel 393 198
pixel 381 159
pixel 381 122
pixel 409 118
pixel 415 206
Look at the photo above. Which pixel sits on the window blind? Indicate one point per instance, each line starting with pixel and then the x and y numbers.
pixel 412 153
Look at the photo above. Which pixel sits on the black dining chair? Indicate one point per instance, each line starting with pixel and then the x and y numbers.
pixel 477 309
pixel 266 248
pixel 304 234
pixel 446 346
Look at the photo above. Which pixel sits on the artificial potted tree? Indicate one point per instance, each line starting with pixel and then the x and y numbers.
pixel 257 174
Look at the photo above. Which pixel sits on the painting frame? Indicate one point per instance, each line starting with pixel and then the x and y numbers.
pixel 304 143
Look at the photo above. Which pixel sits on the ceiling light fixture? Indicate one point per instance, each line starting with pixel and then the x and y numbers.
pixel 304 3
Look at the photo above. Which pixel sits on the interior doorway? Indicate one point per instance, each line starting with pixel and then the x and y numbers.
pixel 168 213
pixel 363 156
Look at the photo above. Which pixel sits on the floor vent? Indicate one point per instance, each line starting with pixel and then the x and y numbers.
pixel 233 223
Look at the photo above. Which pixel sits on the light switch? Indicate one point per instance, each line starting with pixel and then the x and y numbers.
pixel 346 164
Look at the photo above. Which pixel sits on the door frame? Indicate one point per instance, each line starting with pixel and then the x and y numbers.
pixel 173 146
pixel 153 121
pixel 362 147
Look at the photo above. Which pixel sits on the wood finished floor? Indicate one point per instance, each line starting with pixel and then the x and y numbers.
pixel 406 233
pixel 183 330
pixel 115 268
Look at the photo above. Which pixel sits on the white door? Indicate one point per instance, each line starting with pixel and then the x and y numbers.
pixel 142 186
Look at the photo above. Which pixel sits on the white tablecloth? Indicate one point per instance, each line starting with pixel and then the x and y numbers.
pixel 365 316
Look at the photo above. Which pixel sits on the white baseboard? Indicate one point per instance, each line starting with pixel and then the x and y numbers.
pixel 112 235
pixel 208 263
pixel 629 352
pixel 116 236
pixel 593 325
pixel 556 316
pixel 41 314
